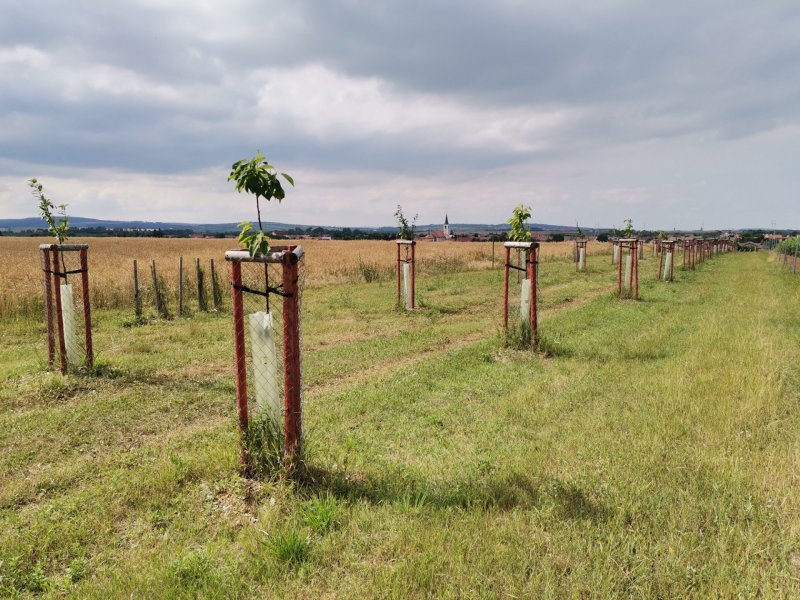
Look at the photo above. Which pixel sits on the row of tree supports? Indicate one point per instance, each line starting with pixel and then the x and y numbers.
pixel 267 342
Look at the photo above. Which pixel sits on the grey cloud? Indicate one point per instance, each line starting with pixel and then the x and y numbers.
pixel 674 73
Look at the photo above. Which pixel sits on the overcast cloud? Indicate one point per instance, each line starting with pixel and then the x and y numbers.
pixel 676 114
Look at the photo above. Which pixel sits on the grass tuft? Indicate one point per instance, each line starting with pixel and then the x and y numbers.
pixel 194 570
pixel 290 547
pixel 263 441
pixel 518 335
pixel 321 513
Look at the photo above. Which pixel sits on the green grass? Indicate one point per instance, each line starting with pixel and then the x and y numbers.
pixel 651 451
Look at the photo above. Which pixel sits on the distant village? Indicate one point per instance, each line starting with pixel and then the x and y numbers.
pixel 447 233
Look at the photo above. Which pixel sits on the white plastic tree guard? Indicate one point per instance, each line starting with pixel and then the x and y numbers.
pixel 528 296
pixel 69 333
pixel 271 320
pixel 406 273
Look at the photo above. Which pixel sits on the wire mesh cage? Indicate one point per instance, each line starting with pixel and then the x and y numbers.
pixel 521 328
pixel 406 273
pixel 266 292
pixel 686 251
pixel 667 262
pixel 628 277
pixel 67 306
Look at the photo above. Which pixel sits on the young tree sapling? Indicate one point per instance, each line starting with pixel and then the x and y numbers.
pixel 256 176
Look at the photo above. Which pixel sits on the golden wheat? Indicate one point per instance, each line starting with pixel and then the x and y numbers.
pixel 327 262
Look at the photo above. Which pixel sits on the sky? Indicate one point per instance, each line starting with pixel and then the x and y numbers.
pixel 680 114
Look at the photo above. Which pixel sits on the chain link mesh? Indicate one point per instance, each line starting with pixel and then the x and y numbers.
pixel 520 322
pixel 64 281
pixel 628 270
pixel 267 324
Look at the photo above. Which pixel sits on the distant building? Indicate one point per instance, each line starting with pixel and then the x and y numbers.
pixel 445 235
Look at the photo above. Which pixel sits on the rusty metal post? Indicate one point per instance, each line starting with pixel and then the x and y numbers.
pixel 87 308
pixel 576 255
pixel 533 276
pixel 413 273
pixel 505 290
pixel 398 274
pixel 240 358
pixel 619 273
pixel 636 277
pixel 661 266
pixel 62 346
pixel 293 428
pixel 632 250
pixel 48 308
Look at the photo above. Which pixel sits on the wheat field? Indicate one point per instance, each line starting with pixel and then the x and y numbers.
pixel 327 262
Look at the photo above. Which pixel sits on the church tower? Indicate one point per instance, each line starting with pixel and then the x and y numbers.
pixel 446 228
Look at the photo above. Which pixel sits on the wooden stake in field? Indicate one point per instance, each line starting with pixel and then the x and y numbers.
pixel 289 260
pixel 137 294
pixel 216 292
pixel 159 298
pixel 528 314
pixel 180 286
pixel 202 301
pixel 406 272
pixel 628 285
pixel 62 303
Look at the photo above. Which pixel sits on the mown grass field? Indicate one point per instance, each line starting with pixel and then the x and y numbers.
pixel 652 452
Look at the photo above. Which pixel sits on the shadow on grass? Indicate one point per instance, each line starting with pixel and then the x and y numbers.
pixel 506 492
pixel 552 347
pixel 611 355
